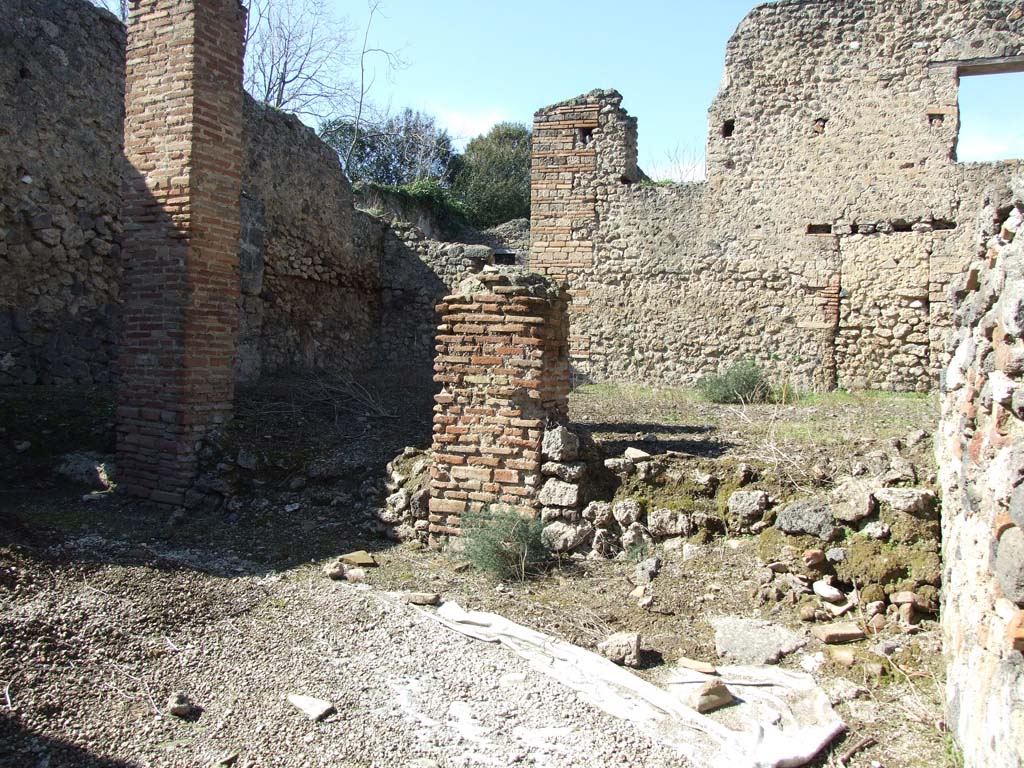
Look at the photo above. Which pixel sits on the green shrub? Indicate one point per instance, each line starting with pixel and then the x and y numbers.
pixel 744 382
pixel 504 543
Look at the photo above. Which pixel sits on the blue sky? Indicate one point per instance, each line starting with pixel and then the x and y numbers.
pixel 472 63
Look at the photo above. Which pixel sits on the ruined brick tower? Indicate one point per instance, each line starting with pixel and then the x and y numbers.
pixel 183 144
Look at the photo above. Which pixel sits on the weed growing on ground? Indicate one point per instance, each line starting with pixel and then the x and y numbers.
pixel 504 544
pixel 744 382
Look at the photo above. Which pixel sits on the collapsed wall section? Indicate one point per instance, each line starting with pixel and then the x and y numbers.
pixel 503 366
pixel 980 451
pixel 183 146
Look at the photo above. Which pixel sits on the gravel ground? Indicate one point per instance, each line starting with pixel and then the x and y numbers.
pixel 91 651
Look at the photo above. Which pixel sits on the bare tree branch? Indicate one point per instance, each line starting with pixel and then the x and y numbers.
pixel 299 57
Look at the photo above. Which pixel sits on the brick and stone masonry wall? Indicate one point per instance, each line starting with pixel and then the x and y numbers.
pixel 310 297
pixel 831 169
pixel 503 366
pixel 980 451
pixel 183 145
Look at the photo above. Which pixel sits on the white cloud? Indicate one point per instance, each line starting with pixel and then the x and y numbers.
pixel 983 145
pixel 466 125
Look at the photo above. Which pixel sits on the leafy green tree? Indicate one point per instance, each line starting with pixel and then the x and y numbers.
pixel 405 148
pixel 493 176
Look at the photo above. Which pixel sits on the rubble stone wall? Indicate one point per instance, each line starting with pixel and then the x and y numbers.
pixel 61 136
pixel 980 449
pixel 831 216
pixel 311 300
pixel 503 366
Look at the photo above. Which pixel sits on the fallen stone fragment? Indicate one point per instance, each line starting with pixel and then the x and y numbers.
pixel 180 705
pixel 315 709
pixel 753 641
pixel 226 761
pixel 711 696
pixel 563 537
pixel 421 598
pixel 646 570
pixel 852 500
pixel 247 459
pixel 89 469
pixel 697 666
pixel 827 592
pixel 841 690
pixel 636 536
pixel 355 575
pixel 843 632
pixel 669 522
pixel 335 570
pixel 748 506
pixel 636 455
pixel 843 656
pixel 813 557
pixel 623 648
pixel 360 557
pixel 876 623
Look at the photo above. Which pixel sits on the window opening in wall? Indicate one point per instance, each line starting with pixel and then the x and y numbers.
pixel 819 229
pixel 584 136
pixel 991 115
pixel 728 128
pixel 936 119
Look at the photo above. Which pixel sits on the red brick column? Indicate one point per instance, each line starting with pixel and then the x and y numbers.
pixel 503 363
pixel 183 143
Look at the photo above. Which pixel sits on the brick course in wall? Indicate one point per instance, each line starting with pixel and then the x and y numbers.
pixel 183 134
pixel 503 366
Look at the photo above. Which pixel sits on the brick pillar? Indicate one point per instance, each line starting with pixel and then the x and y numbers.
pixel 183 144
pixel 503 363
pixel 584 152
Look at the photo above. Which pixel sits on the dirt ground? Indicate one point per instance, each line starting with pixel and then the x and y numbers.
pixel 95 595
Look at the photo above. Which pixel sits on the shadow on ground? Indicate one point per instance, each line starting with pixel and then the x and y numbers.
pixel 320 451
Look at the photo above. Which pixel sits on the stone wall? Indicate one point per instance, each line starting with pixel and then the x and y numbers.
pixel 824 238
pixel 310 299
pixel 503 366
pixel 61 117
pixel 980 450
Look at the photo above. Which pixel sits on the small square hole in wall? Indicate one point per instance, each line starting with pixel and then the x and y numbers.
pixel 728 128
pixel 936 119
pixel 819 229
pixel 584 136
pixel 819 125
